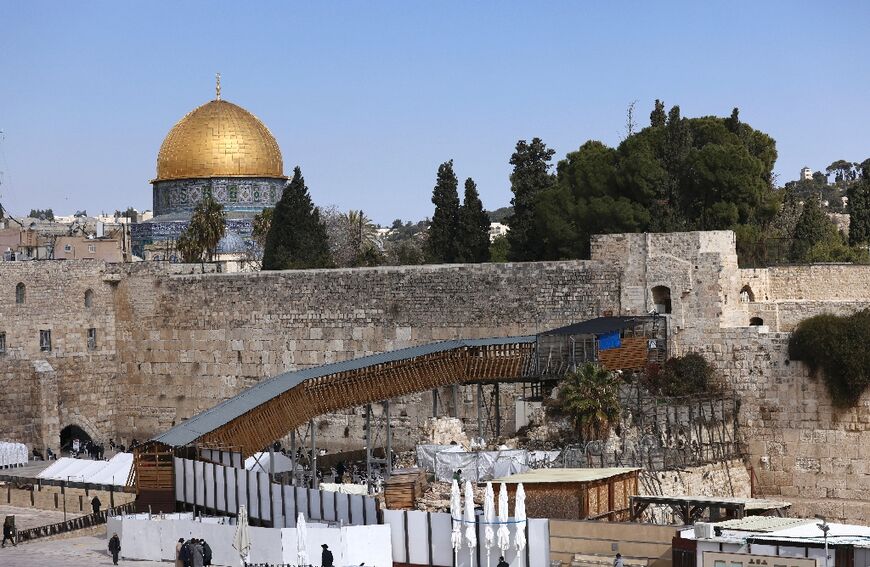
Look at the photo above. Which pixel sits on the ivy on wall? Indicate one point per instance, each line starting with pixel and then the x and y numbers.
pixel 835 348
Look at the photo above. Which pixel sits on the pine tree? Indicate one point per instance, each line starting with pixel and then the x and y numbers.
pixel 531 175
pixel 442 243
pixel 473 227
pixel 297 238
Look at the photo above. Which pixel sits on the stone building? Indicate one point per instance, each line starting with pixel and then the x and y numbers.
pixel 219 149
pixel 129 350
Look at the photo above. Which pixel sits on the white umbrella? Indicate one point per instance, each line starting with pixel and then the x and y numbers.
pixel 456 519
pixel 488 519
pixel 301 536
pixel 503 534
pixel 242 539
pixel 470 526
pixel 520 519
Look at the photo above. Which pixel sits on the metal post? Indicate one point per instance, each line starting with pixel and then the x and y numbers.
pixel 479 410
pixel 389 448
pixel 293 457
pixel 63 491
pixel 369 447
pixel 497 411
pixel 314 483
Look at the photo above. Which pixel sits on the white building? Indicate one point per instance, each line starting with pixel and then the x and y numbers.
pixel 806 174
pixel 497 229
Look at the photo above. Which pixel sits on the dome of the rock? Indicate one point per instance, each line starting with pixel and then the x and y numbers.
pixel 219 139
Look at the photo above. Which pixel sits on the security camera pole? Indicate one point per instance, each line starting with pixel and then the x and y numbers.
pixel 825 529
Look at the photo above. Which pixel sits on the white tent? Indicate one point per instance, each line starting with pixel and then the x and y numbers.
pixel 260 463
pixel 114 471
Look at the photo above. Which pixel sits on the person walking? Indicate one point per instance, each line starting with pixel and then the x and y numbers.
pixel 502 562
pixel 179 561
pixel 206 553
pixel 9 531
pixel 95 504
pixel 326 556
pixel 187 553
pixel 618 561
pixel 115 548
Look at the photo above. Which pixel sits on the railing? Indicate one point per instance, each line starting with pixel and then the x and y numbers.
pixel 79 523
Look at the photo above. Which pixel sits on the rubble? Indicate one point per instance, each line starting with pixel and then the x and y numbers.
pixel 446 431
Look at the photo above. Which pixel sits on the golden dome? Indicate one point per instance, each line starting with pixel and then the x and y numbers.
pixel 219 139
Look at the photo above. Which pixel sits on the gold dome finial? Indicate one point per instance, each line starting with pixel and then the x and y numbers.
pixel 217 87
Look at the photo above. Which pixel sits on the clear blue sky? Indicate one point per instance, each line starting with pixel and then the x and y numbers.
pixel 369 97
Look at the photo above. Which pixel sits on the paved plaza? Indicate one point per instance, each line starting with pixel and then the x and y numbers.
pixel 84 551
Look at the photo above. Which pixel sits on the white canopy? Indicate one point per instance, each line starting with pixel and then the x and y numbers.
pixel 115 471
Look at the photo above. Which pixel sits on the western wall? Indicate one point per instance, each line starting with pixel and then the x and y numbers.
pixel 171 343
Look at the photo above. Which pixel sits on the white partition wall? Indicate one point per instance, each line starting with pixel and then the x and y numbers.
pixel 217 489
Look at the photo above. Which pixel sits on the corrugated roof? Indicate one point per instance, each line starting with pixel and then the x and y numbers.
pixel 228 410
pixel 565 475
pixel 764 524
pixel 597 326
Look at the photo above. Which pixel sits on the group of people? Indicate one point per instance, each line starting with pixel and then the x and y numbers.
pixel 192 553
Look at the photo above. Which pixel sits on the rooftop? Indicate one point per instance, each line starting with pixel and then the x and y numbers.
pixel 566 475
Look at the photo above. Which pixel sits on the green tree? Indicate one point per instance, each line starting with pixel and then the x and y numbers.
pixel 812 228
pixel 590 395
pixel 42 214
pixel 859 210
pixel 442 243
pixel 473 227
pixel 530 177
pixel 297 238
pixel 658 117
pixel 262 223
pixel 498 249
pixel 207 226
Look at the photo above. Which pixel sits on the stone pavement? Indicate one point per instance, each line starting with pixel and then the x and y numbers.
pixel 83 551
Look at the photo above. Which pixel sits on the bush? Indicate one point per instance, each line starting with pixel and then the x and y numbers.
pixel 686 375
pixel 835 349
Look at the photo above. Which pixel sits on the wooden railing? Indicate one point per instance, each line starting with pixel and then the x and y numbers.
pixel 73 524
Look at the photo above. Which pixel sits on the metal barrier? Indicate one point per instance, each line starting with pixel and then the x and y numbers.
pixel 79 523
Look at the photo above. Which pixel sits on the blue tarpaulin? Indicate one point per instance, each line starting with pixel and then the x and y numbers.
pixel 609 340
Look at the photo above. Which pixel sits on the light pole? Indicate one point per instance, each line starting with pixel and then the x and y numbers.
pixel 825 529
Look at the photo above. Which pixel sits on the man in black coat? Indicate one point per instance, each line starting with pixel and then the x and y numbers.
pixel 502 562
pixel 326 556
pixel 115 548
pixel 206 553
pixel 95 504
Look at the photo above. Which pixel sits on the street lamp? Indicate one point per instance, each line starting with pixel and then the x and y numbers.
pixel 825 529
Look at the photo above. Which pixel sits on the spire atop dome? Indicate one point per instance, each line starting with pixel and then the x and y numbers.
pixel 217 86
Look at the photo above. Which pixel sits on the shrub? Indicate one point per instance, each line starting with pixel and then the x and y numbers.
pixel 681 376
pixel 835 349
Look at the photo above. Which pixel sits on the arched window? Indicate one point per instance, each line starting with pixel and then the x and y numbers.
pixel 662 299
pixel 756 322
pixel 20 294
pixel 89 298
pixel 746 294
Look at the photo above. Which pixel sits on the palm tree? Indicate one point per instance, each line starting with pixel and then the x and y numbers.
pixel 590 395
pixel 207 227
pixel 361 230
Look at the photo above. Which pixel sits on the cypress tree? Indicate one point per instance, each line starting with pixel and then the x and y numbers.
pixel 531 175
pixel 658 116
pixel 297 238
pixel 442 243
pixel 859 208
pixel 813 227
pixel 474 227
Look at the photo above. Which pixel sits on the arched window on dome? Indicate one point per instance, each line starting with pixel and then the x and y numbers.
pixel 20 294
pixel 661 295
pixel 89 298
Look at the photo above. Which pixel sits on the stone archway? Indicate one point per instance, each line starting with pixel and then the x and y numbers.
pixel 661 295
pixel 70 432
